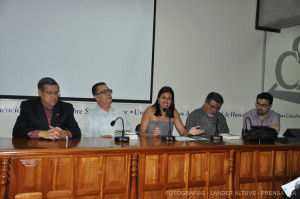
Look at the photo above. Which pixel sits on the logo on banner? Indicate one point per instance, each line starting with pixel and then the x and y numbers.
pixel 290 95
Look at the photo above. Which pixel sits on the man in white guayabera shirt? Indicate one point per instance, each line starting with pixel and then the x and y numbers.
pixel 97 121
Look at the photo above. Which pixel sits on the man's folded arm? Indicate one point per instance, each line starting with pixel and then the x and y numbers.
pixel 20 129
pixel 72 125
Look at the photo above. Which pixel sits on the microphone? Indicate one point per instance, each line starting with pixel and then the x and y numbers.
pixel 245 129
pixel 122 138
pixel 216 136
pixel 169 137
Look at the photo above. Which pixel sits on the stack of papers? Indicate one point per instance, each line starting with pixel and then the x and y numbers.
pixel 131 135
pixel 195 137
pixel 183 138
pixel 228 136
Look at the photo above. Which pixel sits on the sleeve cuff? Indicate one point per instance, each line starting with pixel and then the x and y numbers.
pixel 34 134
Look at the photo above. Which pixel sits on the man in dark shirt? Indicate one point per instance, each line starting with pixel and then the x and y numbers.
pixel 208 116
pixel 46 116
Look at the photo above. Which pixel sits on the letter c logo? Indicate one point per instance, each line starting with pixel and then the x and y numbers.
pixel 296 54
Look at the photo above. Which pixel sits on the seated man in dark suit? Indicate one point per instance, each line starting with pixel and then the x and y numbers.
pixel 46 116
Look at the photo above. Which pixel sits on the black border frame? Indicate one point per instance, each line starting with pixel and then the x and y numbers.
pixel 257 27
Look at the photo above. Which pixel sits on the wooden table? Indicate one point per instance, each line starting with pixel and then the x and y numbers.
pixel 88 168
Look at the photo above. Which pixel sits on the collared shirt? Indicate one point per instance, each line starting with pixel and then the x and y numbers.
pixel 97 122
pixel 200 118
pixel 34 134
pixel 271 118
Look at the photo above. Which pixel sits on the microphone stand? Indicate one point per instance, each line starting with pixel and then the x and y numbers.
pixel 216 136
pixel 122 138
pixel 168 137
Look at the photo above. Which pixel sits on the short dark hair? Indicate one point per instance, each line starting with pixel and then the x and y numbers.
pixel 266 96
pixel 165 89
pixel 214 96
pixel 46 81
pixel 94 88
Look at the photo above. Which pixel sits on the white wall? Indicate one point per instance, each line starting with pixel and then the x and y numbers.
pixel 200 46
pixel 209 45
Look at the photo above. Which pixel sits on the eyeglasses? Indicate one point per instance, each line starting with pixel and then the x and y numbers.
pixel 105 92
pixel 213 107
pixel 262 105
pixel 52 93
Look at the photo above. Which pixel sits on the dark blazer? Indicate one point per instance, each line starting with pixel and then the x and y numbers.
pixel 33 117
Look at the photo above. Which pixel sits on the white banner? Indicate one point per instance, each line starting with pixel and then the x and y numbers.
pixel 9 111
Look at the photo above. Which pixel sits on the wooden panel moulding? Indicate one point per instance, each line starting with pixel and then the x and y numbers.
pixel 218 168
pixel 155 194
pixel 134 174
pixel 246 189
pixel 116 174
pixel 197 193
pixel 231 172
pixel 88 197
pixel 61 174
pixel 176 169
pixel 4 162
pixel 88 175
pixel 263 190
pixel 63 194
pixel 277 190
pixel 114 196
pixel 265 166
pixel 152 165
pixel 198 169
pixel 295 171
pixel 35 195
pixel 27 175
pixel 247 168
pixel 282 165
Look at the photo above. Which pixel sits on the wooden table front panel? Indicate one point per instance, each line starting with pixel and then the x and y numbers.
pixel 262 173
pixel 295 173
pixel 57 177
pixel 184 175
pixel 95 168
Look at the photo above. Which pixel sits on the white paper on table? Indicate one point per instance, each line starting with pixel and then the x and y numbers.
pixel 291 186
pixel 228 136
pixel 184 138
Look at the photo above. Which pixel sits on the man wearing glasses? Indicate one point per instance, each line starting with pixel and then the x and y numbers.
pixel 262 115
pixel 97 121
pixel 208 116
pixel 46 116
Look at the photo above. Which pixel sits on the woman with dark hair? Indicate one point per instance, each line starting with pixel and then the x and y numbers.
pixel 155 120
